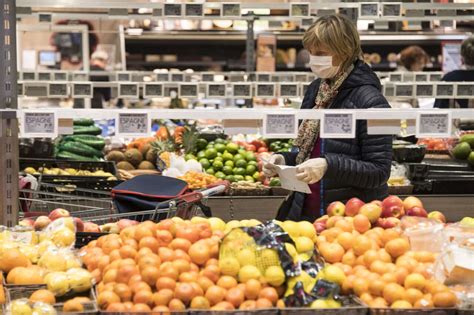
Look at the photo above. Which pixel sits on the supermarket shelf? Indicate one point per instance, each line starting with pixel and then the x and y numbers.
pixel 175 64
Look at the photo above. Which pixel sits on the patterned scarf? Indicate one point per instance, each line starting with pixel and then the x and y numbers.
pixel 308 131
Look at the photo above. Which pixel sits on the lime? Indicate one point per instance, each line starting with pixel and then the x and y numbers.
pixel 230 178
pixel 229 163
pixel 238 157
pixel 219 140
pixel 201 144
pixel 241 163
pixel 219 154
pixel 238 178
pixel 212 143
pixel 256 176
pixel 210 171
pixel 275 182
pixel 201 154
pixel 217 165
pixel 251 169
pixel 220 175
pixel 239 171
pixel 189 157
pixel 228 170
pixel 242 151
pixel 219 158
pixel 249 179
pixel 232 147
pixel 211 153
pixel 220 147
pixel 250 156
pixel 227 156
pixel 253 163
pixel 205 163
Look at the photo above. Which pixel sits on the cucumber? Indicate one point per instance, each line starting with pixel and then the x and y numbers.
pixel 469 138
pixel 80 148
pixel 84 122
pixel 89 130
pixel 76 157
pixel 92 141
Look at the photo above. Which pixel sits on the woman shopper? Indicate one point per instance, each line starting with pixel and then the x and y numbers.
pixel 336 169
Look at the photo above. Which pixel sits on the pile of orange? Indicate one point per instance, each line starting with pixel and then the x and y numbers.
pixel 169 266
pixel 379 266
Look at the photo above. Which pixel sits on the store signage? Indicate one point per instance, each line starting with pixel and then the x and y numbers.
pixel 465 89
pixel 60 76
pixel 299 9
pixel 188 90
pixel 177 77
pixel 265 90
pixel 207 77
pixel 368 9
pixel 57 89
pixel 444 89
pixel 44 76
pixel 288 90
pixel 193 9
pixel 173 9
pixel 39 124
pixel 436 77
pixel 216 90
pixel 162 77
pixel 133 125
pixel 425 90
pixel 388 90
pixel 29 76
pixel 152 90
pixel 421 77
pixel 280 126
pixel 79 76
pixel 404 90
pixel 433 124
pixel 123 76
pixel 263 77
pixel 82 90
pixel 338 125
pixel 231 9
pixel 242 90
pixel 128 90
pixel 307 22
pixel 395 77
pixel 36 89
pixel 391 9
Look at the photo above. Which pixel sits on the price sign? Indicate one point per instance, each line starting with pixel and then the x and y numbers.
pixel 436 77
pixel 324 12
pixel 447 23
pixel 395 77
pixel 39 124
pixel 44 76
pixel 465 90
pixel 263 77
pixel 173 9
pixel 299 9
pixel 45 18
pixel 80 76
pixel 207 77
pixel 128 90
pixel 188 90
pixel 425 90
pixel 421 77
pixel 157 12
pixel 237 78
pixel 133 124
pixel 404 90
pixel 152 90
pixel 368 9
pixel 123 76
pixel 280 126
pixel 265 90
pixel 392 9
pixel 444 90
pixel 60 76
pixel 216 90
pixel 36 89
pixel 301 78
pixel 389 90
pixel 243 90
pixel 177 77
pixel 288 90
pixel 193 9
pixel 82 90
pixel 432 124
pixel 231 9
pixel 307 22
pixel 338 125
pixel 163 77
pixel 415 13
pixel 446 12
pixel 57 90
pixel 29 76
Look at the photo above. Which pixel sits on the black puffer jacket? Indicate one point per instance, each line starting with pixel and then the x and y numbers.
pixel 357 167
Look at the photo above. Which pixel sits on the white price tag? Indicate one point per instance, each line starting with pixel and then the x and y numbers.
pixel 57 90
pixel 44 76
pixel 395 77
pixel 128 90
pixel 39 124
pixel 207 77
pixel 216 90
pixel 29 76
pixel 432 124
pixel 177 77
pixel 172 9
pixel 231 9
pixel 60 76
pixel 368 9
pixel 243 90
pixel 163 77
pixel 152 90
pixel 392 9
pixel 188 90
pixel 288 89
pixel 338 125
pixel 465 89
pixel 404 90
pixel 193 9
pixel 82 90
pixel 421 77
pixel 444 89
pixel 299 9
pixel 263 77
pixel 133 125
pixel 425 90
pixel 265 90
pixel 36 89
pixel 280 126
pixel 123 76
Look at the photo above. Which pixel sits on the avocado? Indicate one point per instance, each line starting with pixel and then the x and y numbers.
pixel 470 159
pixel 462 150
pixel 115 156
pixel 145 165
pixel 133 156
pixel 124 165
pixel 469 138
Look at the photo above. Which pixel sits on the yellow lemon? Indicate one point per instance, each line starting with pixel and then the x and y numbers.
pixel 307 229
pixel 275 276
pixel 249 272
pixel 246 257
pixel 229 266
pixel 304 244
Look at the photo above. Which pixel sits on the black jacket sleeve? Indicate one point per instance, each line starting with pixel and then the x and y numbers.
pixel 373 168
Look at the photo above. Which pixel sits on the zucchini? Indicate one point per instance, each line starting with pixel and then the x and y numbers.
pixel 76 157
pixel 89 130
pixel 80 148
pixel 92 141
pixel 84 122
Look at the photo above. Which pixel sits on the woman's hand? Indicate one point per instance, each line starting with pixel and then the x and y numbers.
pixel 269 169
pixel 312 170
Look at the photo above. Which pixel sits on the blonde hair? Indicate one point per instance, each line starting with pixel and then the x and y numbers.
pixel 339 34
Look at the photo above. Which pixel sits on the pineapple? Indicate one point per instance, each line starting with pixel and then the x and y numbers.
pixel 190 137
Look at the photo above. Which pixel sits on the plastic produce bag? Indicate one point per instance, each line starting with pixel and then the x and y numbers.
pixel 76 280
pixel 23 306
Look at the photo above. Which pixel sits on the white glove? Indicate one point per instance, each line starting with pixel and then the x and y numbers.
pixel 312 170
pixel 269 169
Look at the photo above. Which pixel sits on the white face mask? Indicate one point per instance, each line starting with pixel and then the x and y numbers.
pixel 322 66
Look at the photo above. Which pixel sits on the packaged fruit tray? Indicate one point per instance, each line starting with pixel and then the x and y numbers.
pixel 413 311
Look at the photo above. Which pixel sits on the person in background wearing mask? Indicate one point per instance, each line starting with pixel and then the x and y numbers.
pixel 413 58
pixel 336 169
pixel 466 75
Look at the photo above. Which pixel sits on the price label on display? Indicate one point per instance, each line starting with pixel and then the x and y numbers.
pixel 80 90
pixel 177 77
pixel 421 77
pixel 403 90
pixel 465 89
pixel 395 77
pixel 36 89
pixel 389 90
pixel 128 90
pixel 243 90
pixel 280 126
pixel 162 77
pixel 39 124
pixel 80 76
pixel 299 9
pixel 369 10
pixel 172 9
pixel 231 9
pixel 152 90
pixel 444 89
pixel 188 90
pixel 436 77
pixel 288 90
pixel 433 125
pixel 123 76
pixel 57 90
pixel 44 76
pixel 337 125
pixel 301 77
pixel 207 77
pixel 29 76
pixel 265 90
pixel 193 9
pixel 415 13
pixel 216 90
pixel 424 90
pixel 263 77
pixel 307 22
pixel 60 76
pixel 392 9
pixel 133 124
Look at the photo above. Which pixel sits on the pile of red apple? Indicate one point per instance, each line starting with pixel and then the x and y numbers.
pixel 385 214
pixel 43 221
